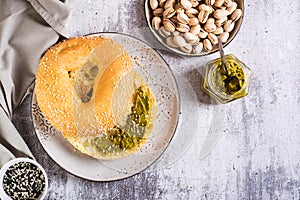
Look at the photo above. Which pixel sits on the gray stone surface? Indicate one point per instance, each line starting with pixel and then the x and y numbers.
pixel 257 155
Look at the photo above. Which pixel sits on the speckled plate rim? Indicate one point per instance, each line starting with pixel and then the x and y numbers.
pixel 174 50
pixel 124 175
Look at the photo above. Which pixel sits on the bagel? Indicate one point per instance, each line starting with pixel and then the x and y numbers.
pixel 87 88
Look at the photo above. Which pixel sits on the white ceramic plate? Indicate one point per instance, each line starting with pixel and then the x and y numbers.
pixel 160 78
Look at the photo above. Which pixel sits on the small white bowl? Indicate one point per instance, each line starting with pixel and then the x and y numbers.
pixel 3 170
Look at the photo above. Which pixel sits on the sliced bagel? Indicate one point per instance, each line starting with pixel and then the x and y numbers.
pixel 87 88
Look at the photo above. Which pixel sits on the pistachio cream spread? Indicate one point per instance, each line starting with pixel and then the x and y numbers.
pixel 88 89
pixel 228 83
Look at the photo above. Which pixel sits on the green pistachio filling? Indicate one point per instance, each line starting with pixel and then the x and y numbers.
pixel 127 137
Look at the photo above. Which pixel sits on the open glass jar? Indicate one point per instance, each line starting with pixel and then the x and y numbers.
pixel 227 86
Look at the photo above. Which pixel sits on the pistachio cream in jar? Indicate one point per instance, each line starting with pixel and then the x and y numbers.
pixel 225 86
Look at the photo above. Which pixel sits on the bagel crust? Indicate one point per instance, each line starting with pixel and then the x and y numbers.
pixel 86 87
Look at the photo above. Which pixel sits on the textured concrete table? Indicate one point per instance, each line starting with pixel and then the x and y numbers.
pixel 258 151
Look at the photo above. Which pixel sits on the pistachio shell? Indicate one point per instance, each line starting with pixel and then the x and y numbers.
pixel 220 22
pixel 169 12
pixel 203 16
pixel 171 43
pixel 161 3
pixel 183 18
pixel 178 40
pixel 189 37
pixel 163 32
pixel 220 14
pixel 170 3
pixel 195 3
pixel 158 12
pixel 227 3
pixel 176 33
pixel 198 48
pixel 192 12
pixel 207 45
pixel 224 37
pixel 193 21
pixel 212 38
pixel 153 4
pixel 186 4
pixel 219 3
pixel 202 34
pixel 187 48
pixel 207 8
pixel 228 26
pixel 195 29
pixel 232 8
pixel 183 27
pixel 210 2
pixel 156 21
pixel 210 27
pixel 195 41
pixel 236 15
pixel 169 25
pixel 218 31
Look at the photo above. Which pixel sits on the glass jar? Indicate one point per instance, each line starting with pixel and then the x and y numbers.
pixel 227 86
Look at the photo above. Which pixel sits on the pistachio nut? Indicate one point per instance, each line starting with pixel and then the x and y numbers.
pixel 179 9
pixel 210 27
pixel 153 4
pixel 219 3
pixel 186 4
pixel 169 12
pixel 210 20
pixel 227 3
pixel 171 43
pixel 207 45
pixel 183 18
pixel 192 12
pixel 209 2
pixel 220 22
pixel 193 21
pixel 161 3
pixel 182 27
pixel 220 14
pixel 158 12
pixel 190 37
pixel 169 25
pixel 207 8
pixel 212 38
pixel 174 19
pixel 236 15
pixel 187 48
pixel 232 8
pixel 218 31
pixel 198 48
pixel 224 37
pixel 228 26
pixel 170 3
pixel 156 23
pixel 163 32
pixel 176 33
pixel 202 34
pixel 203 16
pixel 195 3
pixel 195 29
pixel 193 42
pixel 178 40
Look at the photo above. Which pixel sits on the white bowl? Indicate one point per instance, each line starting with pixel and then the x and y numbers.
pixel 3 170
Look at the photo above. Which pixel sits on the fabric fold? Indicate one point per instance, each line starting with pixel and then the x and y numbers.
pixel 27 29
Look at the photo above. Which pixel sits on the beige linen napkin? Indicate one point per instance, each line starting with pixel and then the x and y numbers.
pixel 27 30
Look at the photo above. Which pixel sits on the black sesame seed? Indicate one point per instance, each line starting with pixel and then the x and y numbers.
pixel 23 180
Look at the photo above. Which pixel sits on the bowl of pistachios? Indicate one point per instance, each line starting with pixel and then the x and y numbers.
pixel 23 178
pixel 192 27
